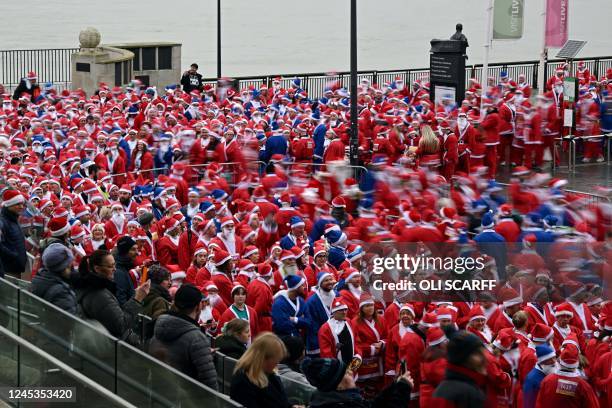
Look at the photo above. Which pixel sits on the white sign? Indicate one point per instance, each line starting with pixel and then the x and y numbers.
pixel 568 118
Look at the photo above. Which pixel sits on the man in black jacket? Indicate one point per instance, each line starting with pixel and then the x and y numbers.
pixel 191 79
pixel 179 341
pixel 124 255
pixel 52 282
pixel 28 85
pixel 466 373
pixel 13 256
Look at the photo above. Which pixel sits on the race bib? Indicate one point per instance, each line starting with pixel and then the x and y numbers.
pixel 565 387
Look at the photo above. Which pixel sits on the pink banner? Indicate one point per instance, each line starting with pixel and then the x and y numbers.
pixel 557 12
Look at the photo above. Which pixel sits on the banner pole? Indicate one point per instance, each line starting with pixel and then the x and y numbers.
pixel 485 65
pixel 543 54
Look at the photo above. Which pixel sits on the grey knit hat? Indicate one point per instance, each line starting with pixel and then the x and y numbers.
pixel 57 257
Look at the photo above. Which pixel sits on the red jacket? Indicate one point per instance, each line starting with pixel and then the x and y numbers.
pixel 186 248
pixel 509 229
pixel 506 116
pixel 225 285
pixel 450 152
pixel 566 390
pixel 431 374
pixel 328 341
pixel 230 315
pixel 490 128
pixel 368 333
pixel 260 298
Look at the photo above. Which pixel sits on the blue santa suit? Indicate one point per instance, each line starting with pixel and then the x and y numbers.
pixel 317 313
pixel 492 244
pixel 288 241
pixel 319 142
pixel 164 161
pixel 336 256
pixel 367 183
pixel 282 310
pixel 276 144
pixel 531 387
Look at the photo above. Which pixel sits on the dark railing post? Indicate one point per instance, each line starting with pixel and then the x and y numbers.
pixel 596 69
pixel 218 38
pixel 353 150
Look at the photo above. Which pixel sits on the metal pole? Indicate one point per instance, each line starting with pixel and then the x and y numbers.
pixel 218 38
pixel 485 65
pixel 541 84
pixel 354 141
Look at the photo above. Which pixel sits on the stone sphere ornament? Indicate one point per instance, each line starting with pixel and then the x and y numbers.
pixel 89 38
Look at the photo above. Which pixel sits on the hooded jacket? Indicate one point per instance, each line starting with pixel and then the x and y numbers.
pixel 179 342
pixel 54 289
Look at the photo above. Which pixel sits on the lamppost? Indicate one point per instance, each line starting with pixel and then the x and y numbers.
pixel 354 139
pixel 218 38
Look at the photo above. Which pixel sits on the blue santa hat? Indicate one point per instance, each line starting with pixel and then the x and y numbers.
pixel 293 282
pixel 366 204
pixel 296 221
pixel 493 186
pixel 550 221
pixel 166 135
pixel 296 82
pixel 503 74
pixel 260 136
pixel 321 277
pixel 544 352
pixel 533 218
pixel 487 220
pixel 218 194
pixel 206 206
pixel 335 237
pixel 157 193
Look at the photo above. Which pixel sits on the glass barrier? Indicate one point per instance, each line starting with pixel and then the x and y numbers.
pixel 9 305
pixel 23 284
pixel 69 339
pixel 147 382
pixel 21 366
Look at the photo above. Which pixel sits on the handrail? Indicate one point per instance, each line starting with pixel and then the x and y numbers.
pixel 66 368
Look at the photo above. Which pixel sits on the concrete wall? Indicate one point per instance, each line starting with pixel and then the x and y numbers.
pixel 101 63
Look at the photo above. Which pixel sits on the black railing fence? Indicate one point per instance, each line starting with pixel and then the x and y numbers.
pixel 53 65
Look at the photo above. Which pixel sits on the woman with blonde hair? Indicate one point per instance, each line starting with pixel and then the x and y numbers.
pixel 428 151
pixel 255 383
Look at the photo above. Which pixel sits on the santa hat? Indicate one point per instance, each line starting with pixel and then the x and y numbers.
pixel 293 282
pixel 58 226
pixel 11 198
pixel 505 210
pixel 408 307
pixel 569 358
pixel 544 352
pixel 337 305
pixel 237 286
pixel 487 220
pixel 435 336
pixel 221 257
pixel 365 299
pixel 199 248
pixel 510 297
pixel 448 212
pixel 541 333
pixel 250 250
pixel 171 224
pixel 296 222
pixel 504 341
pixel 429 320
pixel 572 339
pixel 226 221
pixel 264 270
pixel 80 211
pixel 286 255
pixel 532 293
pixel 321 277
pixel 564 309
pixel 476 312
pixel 339 202
pixel 446 313
pixel 349 273
pixel 319 249
pixel 176 273
pixel 76 231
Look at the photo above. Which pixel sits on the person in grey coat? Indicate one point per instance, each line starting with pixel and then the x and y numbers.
pixel 179 341
pixel 96 289
pixel 289 367
pixel 52 282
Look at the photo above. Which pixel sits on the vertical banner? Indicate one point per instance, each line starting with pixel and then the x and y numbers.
pixel 508 19
pixel 557 12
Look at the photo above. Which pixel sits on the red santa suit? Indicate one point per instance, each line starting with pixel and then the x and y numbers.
pixel 112 230
pixel 490 127
pixel 450 155
pixel 532 138
pixel 352 301
pixel 582 319
pixel 234 248
pixel 567 390
pixel 230 314
pixel 328 338
pixel 167 250
pixel 411 349
pixel 367 333
pixel 225 285
pixel 507 115
pixel 260 298
pixel 508 228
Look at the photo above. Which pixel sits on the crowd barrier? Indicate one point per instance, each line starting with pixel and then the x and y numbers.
pixel 113 364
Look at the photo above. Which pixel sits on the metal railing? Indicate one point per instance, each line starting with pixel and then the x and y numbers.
pixel 120 368
pixel 54 65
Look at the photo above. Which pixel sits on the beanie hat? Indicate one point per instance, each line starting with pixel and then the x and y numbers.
pixel 461 345
pixel 295 348
pixel 157 274
pixel 57 257
pixel 293 282
pixel 11 198
pixel 324 373
pixel 124 244
pixel 544 352
pixel 145 218
pixel 187 297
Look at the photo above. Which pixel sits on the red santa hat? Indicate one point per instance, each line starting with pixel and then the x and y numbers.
pixel 80 211
pixel 199 248
pixel 171 224
pixel 365 299
pixel 264 270
pixel 510 297
pixel 221 257
pixel 569 358
pixel 476 312
pixel 286 255
pixel 11 198
pixel 541 333
pixel 435 336
pixel 339 202
pixel 564 309
pixel 349 273
pixel 237 285
pixel 226 221
pixel 58 226
pixel 250 250
pixel 337 305
pixel 176 273
pixel 571 339
pixel 76 231
pixel 408 307
pixel 504 341
pixel 573 288
pixel 446 313
pixel 448 212
pixel 429 320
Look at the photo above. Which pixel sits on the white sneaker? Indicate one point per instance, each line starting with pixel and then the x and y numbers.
pixel 600 159
pixel 585 159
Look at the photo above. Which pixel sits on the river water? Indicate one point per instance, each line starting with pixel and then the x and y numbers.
pixel 287 36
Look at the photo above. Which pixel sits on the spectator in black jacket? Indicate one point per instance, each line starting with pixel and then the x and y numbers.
pixel 125 254
pixel 254 384
pixel 191 79
pixel 52 281
pixel 466 373
pixel 96 296
pixel 233 342
pixel 179 341
pixel 13 256
pixel 336 387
